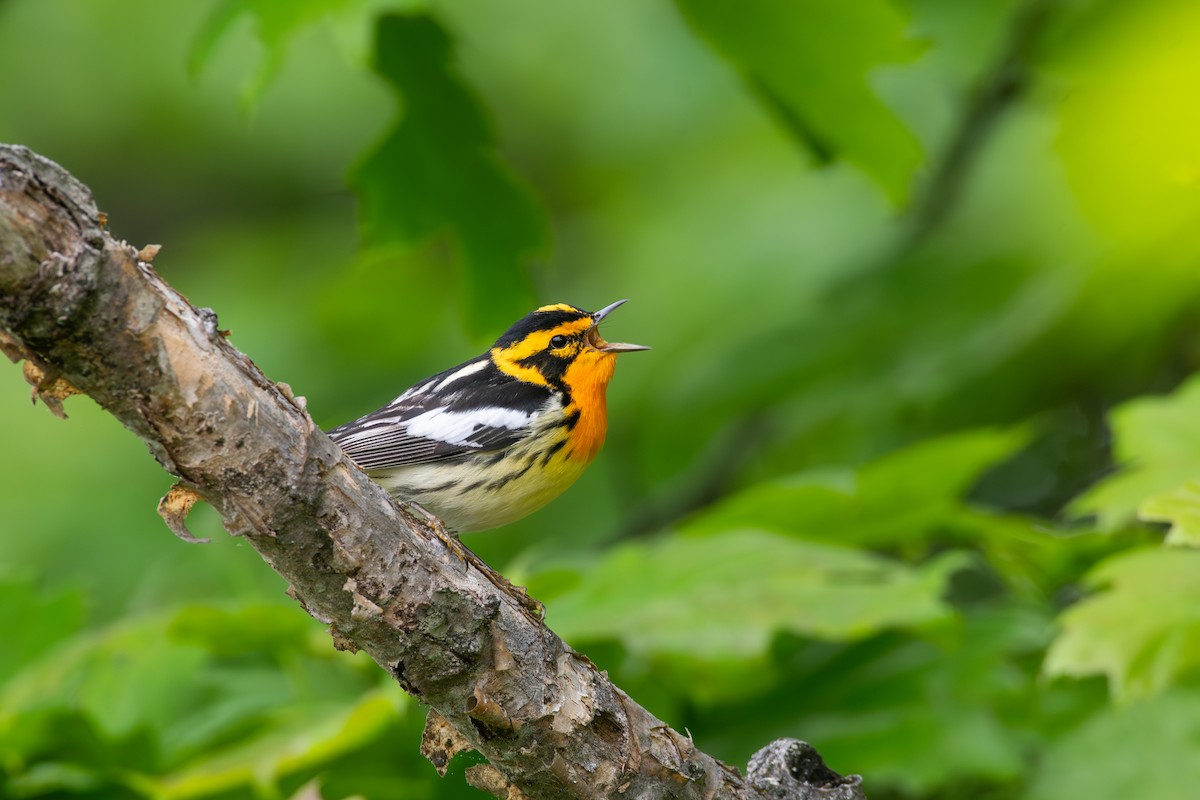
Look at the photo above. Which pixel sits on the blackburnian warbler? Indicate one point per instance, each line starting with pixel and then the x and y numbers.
pixel 497 437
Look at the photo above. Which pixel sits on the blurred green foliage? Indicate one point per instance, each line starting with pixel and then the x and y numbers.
pixel 436 173
pixel 921 278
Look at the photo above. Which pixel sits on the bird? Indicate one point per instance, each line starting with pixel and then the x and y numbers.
pixel 495 438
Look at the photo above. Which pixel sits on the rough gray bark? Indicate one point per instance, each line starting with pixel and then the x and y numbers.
pixel 88 314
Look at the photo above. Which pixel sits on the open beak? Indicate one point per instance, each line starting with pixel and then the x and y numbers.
pixel 593 334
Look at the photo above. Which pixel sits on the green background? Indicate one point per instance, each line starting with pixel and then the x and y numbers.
pixel 912 473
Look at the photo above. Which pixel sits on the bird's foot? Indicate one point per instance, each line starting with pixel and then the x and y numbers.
pixel 520 594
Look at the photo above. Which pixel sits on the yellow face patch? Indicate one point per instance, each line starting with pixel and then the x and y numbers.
pixel 573 363
pixel 508 358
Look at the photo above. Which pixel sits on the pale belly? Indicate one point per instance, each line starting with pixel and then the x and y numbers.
pixel 477 494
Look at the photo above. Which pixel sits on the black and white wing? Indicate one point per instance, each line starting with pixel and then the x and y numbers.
pixel 471 408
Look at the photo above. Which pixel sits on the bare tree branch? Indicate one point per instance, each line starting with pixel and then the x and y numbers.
pixel 88 314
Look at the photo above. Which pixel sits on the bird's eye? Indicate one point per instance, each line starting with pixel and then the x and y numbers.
pixel 558 341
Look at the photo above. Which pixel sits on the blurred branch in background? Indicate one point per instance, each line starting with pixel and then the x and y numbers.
pixel 996 91
pixel 785 86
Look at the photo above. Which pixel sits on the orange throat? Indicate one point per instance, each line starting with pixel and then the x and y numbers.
pixel 588 379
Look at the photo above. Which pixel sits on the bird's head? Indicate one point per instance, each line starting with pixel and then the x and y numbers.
pixel 560 346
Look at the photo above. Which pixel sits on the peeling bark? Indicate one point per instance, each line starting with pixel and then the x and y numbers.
pixel 89 314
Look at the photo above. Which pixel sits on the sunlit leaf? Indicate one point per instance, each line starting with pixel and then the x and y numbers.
pixel 1142 627
pixel 1146 750
pixel 811 61
pixel 726 595
pixel 437 174
pixel 1181 508
pixel 1157 444
pixel 1127 134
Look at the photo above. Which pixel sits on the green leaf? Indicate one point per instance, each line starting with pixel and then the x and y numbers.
pixel 812 61
pixel 49 777
pixel 437 174
pixel 232 632
pixel 959 703
pixel 123 677
pixel 1145 751
pixel 276 25
pixel 62 746
pixel 1181 508
pixel 725 596
pixel 1142 628
pixel 913 501
pixel 300 738
pixel 898 499
pixel 187 703
pixel 1157 440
